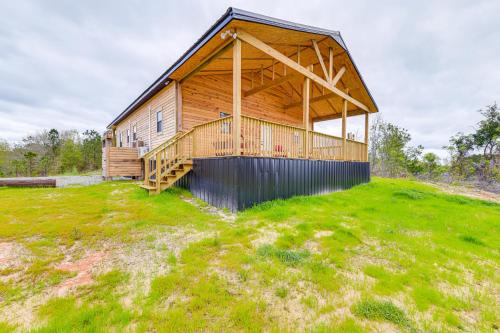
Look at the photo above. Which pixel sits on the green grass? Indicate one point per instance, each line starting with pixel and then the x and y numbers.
pixel 381 310
pixel 332 263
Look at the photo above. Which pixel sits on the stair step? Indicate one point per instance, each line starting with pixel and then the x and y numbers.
pixel 147 187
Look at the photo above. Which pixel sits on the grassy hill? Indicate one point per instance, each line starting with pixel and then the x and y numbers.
pixel 392 255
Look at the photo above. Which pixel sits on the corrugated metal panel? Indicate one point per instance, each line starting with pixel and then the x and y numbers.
pixel 237 183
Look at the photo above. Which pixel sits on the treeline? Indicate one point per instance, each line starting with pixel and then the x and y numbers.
pixel 50 153
pixel 472 157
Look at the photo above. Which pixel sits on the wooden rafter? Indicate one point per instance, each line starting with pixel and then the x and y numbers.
pixel 217 52
pixel 246 37
pixel 338 76
pixel 320 59
pixel 313 100
pixel 269 85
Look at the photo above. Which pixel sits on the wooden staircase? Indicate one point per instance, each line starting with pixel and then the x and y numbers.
pixel 168 163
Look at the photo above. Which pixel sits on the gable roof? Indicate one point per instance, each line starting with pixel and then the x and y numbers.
pixel 229 15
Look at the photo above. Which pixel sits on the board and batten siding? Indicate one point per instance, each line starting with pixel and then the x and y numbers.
pixel 164 101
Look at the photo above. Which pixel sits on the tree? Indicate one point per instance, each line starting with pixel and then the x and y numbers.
pixel 30 157
pixel 91 149
pixel 54 141
pixel 4 152
pixel 487 138
pixel 460 147
pixel 413 163
pixel 487 135
pixel 388 144
pixel 71 156
pixel 430 165
pixel 19 167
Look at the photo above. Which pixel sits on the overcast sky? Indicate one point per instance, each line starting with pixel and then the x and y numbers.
pixel 430 65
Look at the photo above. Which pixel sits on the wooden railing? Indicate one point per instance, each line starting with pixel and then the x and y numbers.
pixel 214 138
pixel 325 147
pixel 265 138
pixel 356 151
pixel 258 138
pixel 158 162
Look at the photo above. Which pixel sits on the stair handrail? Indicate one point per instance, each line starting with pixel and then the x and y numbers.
pixel 162 145
pixel 172 141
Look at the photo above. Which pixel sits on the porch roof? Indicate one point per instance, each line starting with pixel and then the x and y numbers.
pixel 182 66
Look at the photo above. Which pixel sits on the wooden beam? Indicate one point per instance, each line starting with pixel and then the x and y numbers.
pixel 305 110
pixel 271 84
pixel 338 76
pixel 344 130
pixel 330 63
pixel 237 96
pixel 366 135
pixel 217 52
pixel 338 115
pixel 246 37
pixel 313 100
pixel 320 59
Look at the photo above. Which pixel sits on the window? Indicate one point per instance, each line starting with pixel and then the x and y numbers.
pixel 128 135
pixel 121 139
pixel 134 133
pixel 159 121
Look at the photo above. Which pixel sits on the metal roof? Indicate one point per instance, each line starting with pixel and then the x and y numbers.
pixel 229 15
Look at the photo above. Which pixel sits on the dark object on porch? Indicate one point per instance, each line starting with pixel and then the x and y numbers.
pixel 28 182
pixel 238 183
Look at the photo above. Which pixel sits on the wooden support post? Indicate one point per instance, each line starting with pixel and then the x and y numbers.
pixel 330 64
pixel 366 136
pixel 237 96
pixel 158 172
pixel 305 106
pixel 344 130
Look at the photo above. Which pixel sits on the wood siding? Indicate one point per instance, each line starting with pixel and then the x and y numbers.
pixel 165 102
pixel 205 97
pixel 123 162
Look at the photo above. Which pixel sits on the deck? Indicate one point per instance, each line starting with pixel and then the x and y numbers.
pixel 169 162
pixel 259 138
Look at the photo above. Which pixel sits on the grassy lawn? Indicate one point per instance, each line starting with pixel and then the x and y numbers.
pixel 392 255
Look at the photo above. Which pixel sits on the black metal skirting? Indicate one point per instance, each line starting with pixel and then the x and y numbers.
pixel 238 183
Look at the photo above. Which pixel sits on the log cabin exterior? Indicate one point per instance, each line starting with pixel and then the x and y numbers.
pixel 233 119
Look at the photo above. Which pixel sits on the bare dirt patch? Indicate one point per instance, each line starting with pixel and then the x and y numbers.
pixel 12 254
pixel 470 192
pixel 83 268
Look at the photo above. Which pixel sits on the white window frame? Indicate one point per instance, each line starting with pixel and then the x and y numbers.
pixel 159 122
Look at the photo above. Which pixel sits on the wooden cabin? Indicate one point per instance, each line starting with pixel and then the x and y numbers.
pixel 233 119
